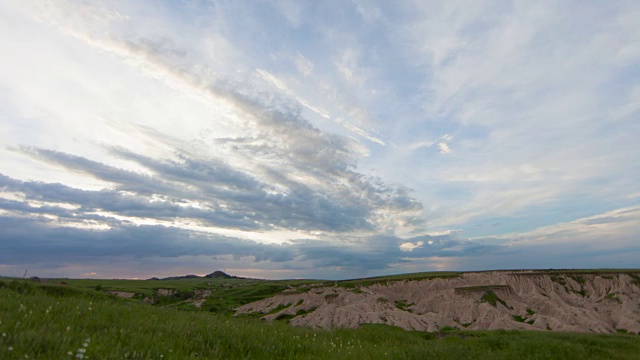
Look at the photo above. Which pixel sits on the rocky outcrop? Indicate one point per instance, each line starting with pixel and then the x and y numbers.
pixel 581 302
pixel 122 294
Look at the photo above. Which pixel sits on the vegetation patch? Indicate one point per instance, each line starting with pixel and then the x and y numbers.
pixel 521 319
pixel 530 312
pixel 465 325
pixel 305 311
pixel 612 297
pixel 279 308
pixel 578 278
pixel 403 305
pixel 384 280
pixel 493 299
pixel 448 329
pixel 581 292
pixel 284 317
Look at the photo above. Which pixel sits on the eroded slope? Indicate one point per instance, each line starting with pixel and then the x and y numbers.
pixel 582 302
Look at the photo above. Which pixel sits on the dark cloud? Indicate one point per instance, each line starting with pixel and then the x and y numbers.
pixel 36 239
pixel 32 240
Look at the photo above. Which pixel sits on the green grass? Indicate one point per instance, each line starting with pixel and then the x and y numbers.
pixel 49 322
pixel 383 280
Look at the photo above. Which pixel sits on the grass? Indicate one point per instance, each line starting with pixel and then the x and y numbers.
pixel 383 280
pixel 46 321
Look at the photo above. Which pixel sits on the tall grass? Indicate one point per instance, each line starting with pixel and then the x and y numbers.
pixel 55 322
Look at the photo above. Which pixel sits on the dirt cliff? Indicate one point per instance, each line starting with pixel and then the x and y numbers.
pixel 581 302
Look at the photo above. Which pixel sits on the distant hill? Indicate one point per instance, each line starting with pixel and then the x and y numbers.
pixel 214 275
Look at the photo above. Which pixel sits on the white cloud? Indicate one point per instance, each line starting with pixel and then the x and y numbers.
pixel 303 65
pixel 409 246
pixel 444 148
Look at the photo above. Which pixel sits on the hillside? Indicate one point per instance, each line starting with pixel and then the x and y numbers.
pixel 54 321
pixel 574 301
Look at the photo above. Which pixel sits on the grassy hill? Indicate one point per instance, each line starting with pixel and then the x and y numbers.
pixel 54 321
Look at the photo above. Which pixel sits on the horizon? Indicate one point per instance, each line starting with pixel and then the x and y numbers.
pixel 317 139
pixel 544 270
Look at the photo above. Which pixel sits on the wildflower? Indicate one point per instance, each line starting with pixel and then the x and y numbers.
pixel 4 334
pixel 68 328
pixel 10 348
pixel 70 353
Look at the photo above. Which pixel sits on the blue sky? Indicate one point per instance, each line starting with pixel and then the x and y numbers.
pixel 327 139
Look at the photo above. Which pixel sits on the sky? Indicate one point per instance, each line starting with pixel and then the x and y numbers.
pixel 317 139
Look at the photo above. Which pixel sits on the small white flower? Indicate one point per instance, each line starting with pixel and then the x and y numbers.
pixel 85 344
pixel 10 348
pixel 81 351
pixel 70 353
pixel 68 328
pixel 4 334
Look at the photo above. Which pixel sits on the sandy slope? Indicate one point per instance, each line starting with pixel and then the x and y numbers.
pixel 600 303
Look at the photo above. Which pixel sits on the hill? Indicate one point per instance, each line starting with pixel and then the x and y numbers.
pixel 576 301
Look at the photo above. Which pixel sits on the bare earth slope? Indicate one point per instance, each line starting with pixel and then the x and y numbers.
pixel 581 302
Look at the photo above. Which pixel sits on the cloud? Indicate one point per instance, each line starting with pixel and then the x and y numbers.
pixel 409 246
pixel 320 146
pixel 444 148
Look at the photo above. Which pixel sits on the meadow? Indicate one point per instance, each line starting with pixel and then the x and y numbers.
pixel 75 321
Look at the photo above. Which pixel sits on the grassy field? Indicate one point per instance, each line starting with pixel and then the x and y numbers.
pixel 74 321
